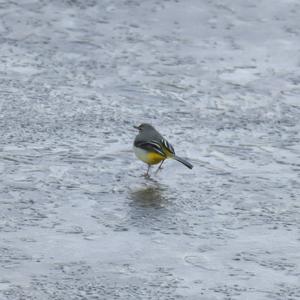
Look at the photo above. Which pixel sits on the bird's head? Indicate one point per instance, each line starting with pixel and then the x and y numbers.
pixel 144 126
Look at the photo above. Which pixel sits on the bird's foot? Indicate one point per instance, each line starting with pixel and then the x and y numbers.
pixel 158 169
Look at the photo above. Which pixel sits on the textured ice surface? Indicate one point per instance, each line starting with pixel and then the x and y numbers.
pixel 222 81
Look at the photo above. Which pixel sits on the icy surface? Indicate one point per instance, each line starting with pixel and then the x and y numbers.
pixel 221 79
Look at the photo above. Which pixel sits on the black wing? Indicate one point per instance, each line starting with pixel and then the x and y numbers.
pixel 168 146
pixel 151 146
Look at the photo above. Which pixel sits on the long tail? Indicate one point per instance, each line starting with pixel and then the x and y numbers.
pixel 183 161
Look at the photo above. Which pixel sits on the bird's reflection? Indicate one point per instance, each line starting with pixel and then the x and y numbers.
pixel 149 196
pixel 149 206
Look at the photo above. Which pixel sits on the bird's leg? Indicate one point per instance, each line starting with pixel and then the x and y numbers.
pixel 159 168
pixel 147 173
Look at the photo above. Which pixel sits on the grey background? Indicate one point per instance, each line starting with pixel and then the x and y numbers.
pixel 220 79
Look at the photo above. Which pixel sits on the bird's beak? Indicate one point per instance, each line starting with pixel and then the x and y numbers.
pixel 136 127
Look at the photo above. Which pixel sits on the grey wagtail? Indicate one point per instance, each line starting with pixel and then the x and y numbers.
pixel 152 148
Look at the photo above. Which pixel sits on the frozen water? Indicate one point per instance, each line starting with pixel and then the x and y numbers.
pixel 221 81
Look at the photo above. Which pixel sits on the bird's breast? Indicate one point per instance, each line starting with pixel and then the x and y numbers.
pixel 150 158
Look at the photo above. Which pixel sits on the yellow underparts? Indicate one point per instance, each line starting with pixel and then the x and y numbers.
pixel 154 158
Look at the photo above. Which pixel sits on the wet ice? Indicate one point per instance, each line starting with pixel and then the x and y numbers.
pixel 78 221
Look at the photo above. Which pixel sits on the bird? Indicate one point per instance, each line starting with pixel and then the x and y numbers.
pixel 152 148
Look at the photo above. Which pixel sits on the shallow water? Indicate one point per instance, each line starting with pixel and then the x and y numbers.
pixel 221 81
